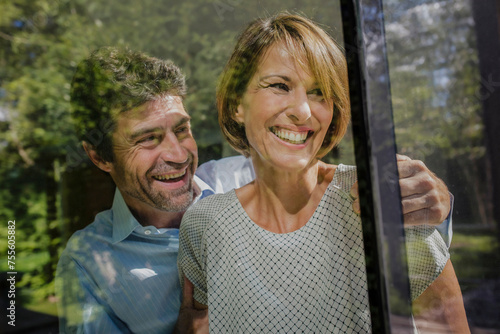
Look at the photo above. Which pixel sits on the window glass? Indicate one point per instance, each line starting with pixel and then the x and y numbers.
pixel 440 94
pixel 49 188
pixel 443 65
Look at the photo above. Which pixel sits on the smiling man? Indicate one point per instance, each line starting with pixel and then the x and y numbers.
pixel 119 274
pixel 155 157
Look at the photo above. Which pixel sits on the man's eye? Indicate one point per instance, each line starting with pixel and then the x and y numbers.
pixel 148 139
pixel 182 129
pixel 280 86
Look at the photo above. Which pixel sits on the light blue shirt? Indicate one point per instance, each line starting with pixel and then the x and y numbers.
pixel 117 276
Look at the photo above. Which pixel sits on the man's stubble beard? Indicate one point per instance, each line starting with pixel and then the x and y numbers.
pixel 177 200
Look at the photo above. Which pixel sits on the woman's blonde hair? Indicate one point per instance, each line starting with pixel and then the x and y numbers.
pixel 310 46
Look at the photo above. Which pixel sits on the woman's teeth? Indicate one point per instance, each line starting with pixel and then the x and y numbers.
pixel 291 136
pixel 169 176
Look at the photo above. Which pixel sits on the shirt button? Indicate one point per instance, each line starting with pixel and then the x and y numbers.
pixel 147 232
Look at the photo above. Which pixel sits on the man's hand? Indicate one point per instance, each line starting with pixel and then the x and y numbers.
pixel 425 197
pixel 191 319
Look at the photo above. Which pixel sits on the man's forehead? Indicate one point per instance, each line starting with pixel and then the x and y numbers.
pixel 163 108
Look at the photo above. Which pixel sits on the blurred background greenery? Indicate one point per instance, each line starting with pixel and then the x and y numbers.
pixel 48 185
pixel 50 189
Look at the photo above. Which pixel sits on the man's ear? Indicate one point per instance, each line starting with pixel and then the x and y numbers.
pixel 96 158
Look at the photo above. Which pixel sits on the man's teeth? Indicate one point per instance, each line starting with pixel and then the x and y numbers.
pixel 291 136
pixel 169 176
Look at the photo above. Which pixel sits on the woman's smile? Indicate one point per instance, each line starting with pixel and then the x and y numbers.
pixel 291 136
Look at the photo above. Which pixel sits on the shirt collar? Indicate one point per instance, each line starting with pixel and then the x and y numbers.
pixel 124 223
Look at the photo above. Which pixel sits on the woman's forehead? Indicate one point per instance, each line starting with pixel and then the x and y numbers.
pixel 282 55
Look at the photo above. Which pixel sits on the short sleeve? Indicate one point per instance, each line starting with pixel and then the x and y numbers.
pixel 191 258
pixel 427 255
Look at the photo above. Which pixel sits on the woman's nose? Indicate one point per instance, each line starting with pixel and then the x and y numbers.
pixel 299 110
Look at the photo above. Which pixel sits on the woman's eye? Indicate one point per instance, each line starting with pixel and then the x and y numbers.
pixel 316 94
pixel 280 86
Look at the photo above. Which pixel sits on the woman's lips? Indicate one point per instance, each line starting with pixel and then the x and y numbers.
pixel 290 136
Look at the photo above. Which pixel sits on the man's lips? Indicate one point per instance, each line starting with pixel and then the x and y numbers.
pixel 170 177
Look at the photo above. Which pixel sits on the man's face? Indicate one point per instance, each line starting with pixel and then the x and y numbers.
pixel 155 156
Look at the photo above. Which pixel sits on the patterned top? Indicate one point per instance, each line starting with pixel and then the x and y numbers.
pixel 310 280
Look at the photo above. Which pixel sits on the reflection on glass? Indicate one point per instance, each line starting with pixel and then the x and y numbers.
pixel 49 188
pixel 50 191
pixel 437 96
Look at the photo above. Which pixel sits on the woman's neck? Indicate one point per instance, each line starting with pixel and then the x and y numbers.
pixel 284 201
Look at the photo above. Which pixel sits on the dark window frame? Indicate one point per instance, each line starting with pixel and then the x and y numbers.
pixel 375 151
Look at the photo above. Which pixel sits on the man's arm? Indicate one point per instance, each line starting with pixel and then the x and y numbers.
pixel 226 174
pixel 80 306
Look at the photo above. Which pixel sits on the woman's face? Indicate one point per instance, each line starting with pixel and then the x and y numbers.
pixel 285 115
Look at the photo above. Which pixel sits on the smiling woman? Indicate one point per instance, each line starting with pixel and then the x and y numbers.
pixel 284 253
pixel 306 48
pixel 284 113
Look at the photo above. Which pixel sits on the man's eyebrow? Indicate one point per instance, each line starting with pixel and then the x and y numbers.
pixel 144 131
pixel 183 120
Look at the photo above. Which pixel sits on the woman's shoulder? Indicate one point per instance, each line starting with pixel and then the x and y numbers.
pixel 345 177
pixel 339 176
pixel 206 210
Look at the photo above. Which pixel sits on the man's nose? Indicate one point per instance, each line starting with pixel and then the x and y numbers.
pixel 172 150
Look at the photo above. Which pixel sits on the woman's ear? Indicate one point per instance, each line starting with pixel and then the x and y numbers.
pixel 239 115
pixel 96 158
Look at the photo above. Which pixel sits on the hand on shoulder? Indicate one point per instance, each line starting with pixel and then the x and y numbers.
pixel 326 172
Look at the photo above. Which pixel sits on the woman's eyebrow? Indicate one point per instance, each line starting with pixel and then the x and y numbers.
pixel 284 77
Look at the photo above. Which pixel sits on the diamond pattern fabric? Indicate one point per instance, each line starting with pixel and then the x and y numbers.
pixel 312 280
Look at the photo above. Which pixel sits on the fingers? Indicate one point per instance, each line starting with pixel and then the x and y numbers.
pixel 425 198
pixel 428 209
pixel 427 216
pixel 420 183
pixel 356 207
pixel 408 168
pixel 354 192
pixel 400 157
